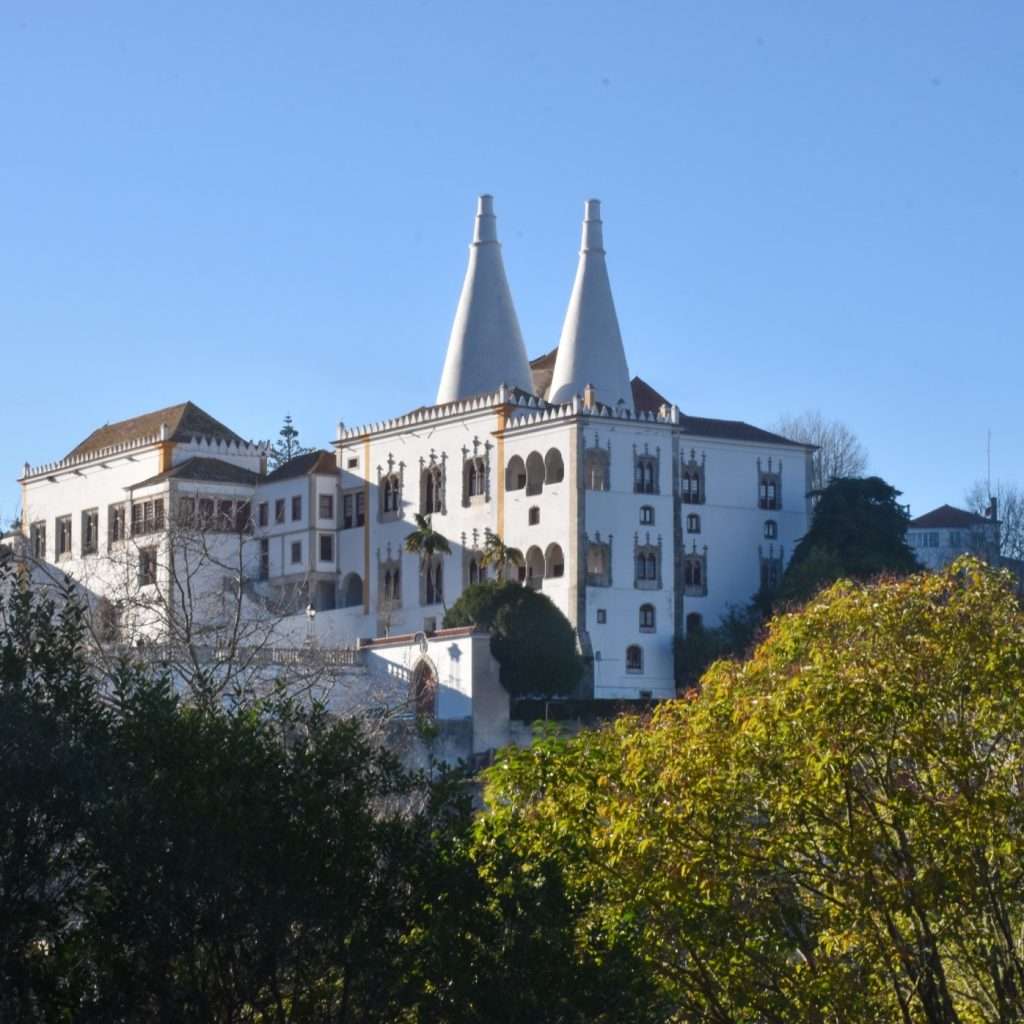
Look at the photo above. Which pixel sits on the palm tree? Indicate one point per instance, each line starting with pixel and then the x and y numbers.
pixel 500 555
pixel 426 542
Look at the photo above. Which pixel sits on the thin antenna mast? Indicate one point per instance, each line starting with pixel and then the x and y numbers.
pixel 988 463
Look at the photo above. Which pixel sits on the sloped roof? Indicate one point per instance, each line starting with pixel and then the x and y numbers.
pixel 947 517
pixel 317 461
pixel 183 422
pixel 647 399
pixel 541 370
pixel 207 469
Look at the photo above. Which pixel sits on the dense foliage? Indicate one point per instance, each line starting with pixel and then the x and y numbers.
pixel 829 832
pixel 531 639
pixel 171 862
pixel 858 531
pixel 832 831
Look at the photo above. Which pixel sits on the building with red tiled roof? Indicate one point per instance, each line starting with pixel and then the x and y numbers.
pixel 946 532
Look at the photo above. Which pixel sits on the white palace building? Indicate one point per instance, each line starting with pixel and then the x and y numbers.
pixel 639 521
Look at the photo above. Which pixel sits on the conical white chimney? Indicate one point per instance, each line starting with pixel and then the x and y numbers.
pixel 485 349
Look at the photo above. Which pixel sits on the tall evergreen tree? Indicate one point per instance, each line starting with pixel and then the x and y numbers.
pixel 288 447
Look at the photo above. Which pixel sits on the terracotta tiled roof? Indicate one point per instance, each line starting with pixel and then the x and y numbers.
pixel 947 517
pixel 202 468
pixel 317 461
pixel 183 421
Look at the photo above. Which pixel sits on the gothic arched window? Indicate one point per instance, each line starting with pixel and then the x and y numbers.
pixel 634 658
pixel 647 618
pixel 432 490
pixel 595 469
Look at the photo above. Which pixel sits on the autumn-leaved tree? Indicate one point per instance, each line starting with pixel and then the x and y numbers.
pixel 830 832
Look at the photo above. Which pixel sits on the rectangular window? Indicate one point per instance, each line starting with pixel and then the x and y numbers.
pixel 296 508
pixel 206 509
pixel 954 538
pixel 326 547
pixel 360 508
pixel 116 523
pixel 147 516
pixel 263 514
pixel 37 537
pixel 186 513
pixel 225 515
pixel 147 566
pixel 64 537
pixel 602 616
pixel 90 531
pixel 243 517
pixel 326 506
pixel 296 552
pixel 353 463
pixel 647 515
pixel 279 510
pixel 348 515
pixel 264 558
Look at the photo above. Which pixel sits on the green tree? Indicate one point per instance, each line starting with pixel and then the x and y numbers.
pixel 858 531
pixel 532 640
pixel 428 543
pixel 500 556
pixel 288 446
pixel 829 832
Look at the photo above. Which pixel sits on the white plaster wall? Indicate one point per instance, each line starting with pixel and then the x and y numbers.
pixel 616 513
pixel 732 525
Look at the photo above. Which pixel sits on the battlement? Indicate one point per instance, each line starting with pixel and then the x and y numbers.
pixel 204 445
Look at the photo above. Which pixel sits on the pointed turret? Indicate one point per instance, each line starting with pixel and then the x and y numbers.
pixel 590 349
pixel 486 348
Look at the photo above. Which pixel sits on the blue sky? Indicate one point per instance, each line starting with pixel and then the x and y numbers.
pixel 264 208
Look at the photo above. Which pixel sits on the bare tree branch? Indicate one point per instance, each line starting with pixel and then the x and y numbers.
pixel 839 452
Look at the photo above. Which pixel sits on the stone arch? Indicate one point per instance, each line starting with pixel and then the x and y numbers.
pixel 423 689
pixel 534 473
pixel 352 590
pixel 515 474
pixel 554 562
pixel 534 567
pixel 554 467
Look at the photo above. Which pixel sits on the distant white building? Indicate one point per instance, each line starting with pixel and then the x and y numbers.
pixel 945 533
pixel 639 521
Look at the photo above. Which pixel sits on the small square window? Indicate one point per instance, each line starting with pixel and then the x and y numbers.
pixel 646 515
pixel 602 616
pixel 296 551
pixel 352 463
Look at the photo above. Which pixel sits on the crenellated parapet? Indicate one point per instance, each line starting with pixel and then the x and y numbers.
pixel 210 446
